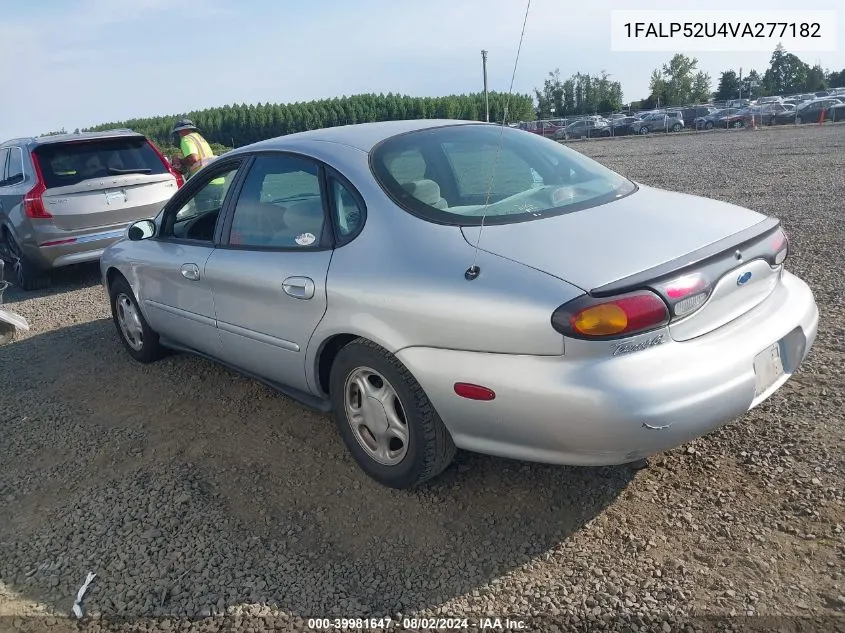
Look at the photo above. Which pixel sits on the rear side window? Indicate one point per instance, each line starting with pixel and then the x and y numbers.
pixel 14 171
pixel 65 164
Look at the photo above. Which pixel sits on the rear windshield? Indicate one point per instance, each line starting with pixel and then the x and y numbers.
pixel 450 174
pixel 65 164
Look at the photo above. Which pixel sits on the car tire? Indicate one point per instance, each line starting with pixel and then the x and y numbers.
pixel 139 339
pixel 708 125
pixel 676 127
pixel 605 133
pixel 7 333
pixel 738 124
pixel 27 276
pixel 644 130
pixel 427 448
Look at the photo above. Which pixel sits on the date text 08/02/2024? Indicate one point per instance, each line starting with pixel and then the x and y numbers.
pixel 763 30
pixel 415 624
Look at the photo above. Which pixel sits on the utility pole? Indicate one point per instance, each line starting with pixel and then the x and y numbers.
pixel 486 98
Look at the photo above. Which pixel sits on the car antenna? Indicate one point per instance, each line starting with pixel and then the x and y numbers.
pixel 473 271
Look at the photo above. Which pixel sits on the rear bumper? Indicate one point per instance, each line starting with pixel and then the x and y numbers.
pixel 612 410
pixel 59 249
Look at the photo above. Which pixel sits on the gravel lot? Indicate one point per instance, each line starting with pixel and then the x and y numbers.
pixel 191 491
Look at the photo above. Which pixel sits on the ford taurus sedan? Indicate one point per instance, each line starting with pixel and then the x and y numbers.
pixel 448 284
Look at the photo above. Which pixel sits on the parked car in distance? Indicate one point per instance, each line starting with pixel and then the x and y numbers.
pixel 709 121
pixel 593 321
pixel 584 128
pixel 64 198
pixel 657 122
pixel 619 127
pixel 691 114
pixel 811 112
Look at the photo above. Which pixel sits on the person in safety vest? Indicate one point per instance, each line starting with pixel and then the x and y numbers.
pixel 195 150
pixel 196 153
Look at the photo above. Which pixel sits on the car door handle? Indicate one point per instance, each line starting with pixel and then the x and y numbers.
pixel 191 272
pixel 299 287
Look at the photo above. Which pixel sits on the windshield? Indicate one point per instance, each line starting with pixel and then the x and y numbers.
pixel 444 174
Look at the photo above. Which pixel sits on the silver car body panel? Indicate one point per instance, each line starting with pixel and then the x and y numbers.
pixel 401 284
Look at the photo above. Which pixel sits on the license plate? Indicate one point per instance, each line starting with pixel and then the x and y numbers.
pixel 768 367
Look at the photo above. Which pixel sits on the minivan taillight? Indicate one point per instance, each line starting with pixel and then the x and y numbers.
pixel 33 204
pixel 589 318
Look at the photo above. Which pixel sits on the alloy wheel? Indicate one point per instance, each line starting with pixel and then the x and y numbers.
pixel 129 321
pixel 376 416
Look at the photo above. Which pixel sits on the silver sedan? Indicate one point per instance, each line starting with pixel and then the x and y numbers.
pixel 447 284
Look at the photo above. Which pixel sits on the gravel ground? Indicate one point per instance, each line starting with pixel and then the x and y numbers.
pixel 193 492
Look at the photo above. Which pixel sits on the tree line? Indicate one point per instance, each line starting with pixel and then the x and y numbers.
pixel 242 124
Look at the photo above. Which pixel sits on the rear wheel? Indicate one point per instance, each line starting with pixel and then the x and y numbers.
pixel 137 336
pixel 644 130
pixel 708 125
pixel 739 124
pixel 7 333
pixel 27 276
pixel 385 418
pixel 676 127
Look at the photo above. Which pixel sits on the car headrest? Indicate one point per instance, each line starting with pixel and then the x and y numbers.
pixel 426 191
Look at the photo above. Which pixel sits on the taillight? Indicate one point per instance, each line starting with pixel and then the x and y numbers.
pixel 33 204
pixel 686 294
pixel 779 246
pixel 625 315
pixel 180 179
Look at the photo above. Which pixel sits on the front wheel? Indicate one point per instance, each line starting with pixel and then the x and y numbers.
pixel 7 333
pixel 385 418
pixel 708 125
pixel 644 130
pixel 137 336
pixel 676 127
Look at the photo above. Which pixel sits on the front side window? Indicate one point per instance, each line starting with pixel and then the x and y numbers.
pixel 280 205
pixel 197 218
pixel 459 174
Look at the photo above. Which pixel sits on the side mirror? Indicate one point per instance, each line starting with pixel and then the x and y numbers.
pixel 141 230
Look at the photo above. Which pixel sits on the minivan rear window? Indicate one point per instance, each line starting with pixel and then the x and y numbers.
pixel 64 164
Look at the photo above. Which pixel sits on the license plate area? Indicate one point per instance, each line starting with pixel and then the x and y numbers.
pixel 768 367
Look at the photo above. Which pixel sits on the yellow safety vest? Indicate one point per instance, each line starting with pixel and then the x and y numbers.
pixel 194 143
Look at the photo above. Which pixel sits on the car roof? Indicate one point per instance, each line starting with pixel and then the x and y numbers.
pixel 38 141
pixel 362 136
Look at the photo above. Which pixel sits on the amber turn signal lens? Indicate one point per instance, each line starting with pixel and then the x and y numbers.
pixel 601 320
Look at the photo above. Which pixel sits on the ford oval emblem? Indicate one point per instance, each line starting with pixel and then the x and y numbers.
pixel 743 278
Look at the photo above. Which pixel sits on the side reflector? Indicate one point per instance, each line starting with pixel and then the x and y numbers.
pixel 57 242
pixel 474 392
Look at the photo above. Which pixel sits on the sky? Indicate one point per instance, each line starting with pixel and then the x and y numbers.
pixel 78 63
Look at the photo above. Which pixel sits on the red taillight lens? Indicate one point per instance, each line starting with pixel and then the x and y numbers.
pixel 33 204
pixel 685 286
pixel 779 246
pixel 629 314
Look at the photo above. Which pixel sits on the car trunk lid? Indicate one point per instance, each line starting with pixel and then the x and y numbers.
pixel 677 245
pixel 102 202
